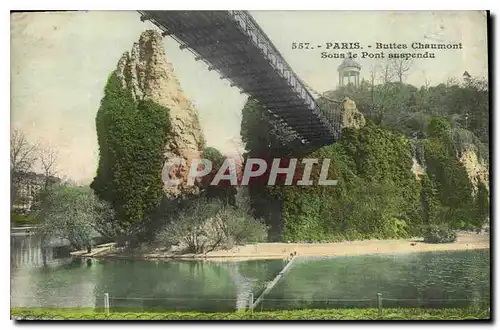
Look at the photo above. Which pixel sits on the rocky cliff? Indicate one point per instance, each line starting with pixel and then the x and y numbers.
pixel 417 168
pixel 477 169
pixel 146 72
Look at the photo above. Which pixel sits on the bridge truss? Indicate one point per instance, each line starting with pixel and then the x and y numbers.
pixel 234 45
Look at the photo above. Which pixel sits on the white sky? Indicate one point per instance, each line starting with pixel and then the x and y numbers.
pixel 60 63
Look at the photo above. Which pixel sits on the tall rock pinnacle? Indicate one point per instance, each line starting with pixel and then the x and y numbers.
pixel 146 72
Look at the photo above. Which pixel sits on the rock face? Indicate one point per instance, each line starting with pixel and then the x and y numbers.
pixel 417 169
pixel 146 72
pixel 351 117
pixel 476 170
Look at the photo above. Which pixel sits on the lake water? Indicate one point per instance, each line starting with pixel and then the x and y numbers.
pixel 438 279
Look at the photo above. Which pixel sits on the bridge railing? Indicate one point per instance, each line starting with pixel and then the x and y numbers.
pixel 247 25
pixel 252 29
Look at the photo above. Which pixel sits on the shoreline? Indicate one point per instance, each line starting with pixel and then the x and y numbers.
pixel 260 251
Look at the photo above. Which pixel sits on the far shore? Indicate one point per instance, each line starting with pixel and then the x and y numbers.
pixel 465 241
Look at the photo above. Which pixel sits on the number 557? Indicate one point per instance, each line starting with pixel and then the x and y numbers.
pixel 300 45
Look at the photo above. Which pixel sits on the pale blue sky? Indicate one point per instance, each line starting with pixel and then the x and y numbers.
pixel 60 62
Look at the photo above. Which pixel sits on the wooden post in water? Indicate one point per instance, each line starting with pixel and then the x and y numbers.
pixel 106 303
pixel 251 303
pixel 273 283
pixel 379 304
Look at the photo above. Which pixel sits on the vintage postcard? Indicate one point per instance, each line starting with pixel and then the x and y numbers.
pixel 257 165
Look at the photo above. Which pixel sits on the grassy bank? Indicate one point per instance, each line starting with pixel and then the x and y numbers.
pixel 314 314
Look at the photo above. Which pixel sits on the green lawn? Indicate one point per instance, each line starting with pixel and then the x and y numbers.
pixel 314 314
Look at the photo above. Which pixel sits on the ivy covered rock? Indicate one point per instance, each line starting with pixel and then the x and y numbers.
pixel 131 136
pixel 377 195
pixel 146 73
pixel 144 123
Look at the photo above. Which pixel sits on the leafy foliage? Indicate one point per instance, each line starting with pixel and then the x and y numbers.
pixel 438 127
pixel 214 155
pixel 407 109
pixel 377 195
pixel 451 194
pixel 131 137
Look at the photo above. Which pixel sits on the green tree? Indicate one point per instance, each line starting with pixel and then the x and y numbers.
pixel 72 213
pixel 439 127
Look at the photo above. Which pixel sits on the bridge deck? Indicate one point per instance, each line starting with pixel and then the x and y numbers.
pixel 232 43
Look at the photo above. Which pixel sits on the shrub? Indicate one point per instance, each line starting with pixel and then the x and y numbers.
pixel 211 225
pixel 439 234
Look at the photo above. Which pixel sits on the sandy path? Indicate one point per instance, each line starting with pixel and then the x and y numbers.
pixel 465 241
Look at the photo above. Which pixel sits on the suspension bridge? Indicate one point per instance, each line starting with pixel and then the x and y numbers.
pixel 234 45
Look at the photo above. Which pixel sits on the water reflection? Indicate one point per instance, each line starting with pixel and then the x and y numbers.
pixel 431 280
pixel 31 250
pixel 132 285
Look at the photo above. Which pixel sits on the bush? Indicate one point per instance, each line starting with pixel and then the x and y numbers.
pixel 439 234
pixel 209 226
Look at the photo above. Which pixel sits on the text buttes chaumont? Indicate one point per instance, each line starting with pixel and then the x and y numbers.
pixel 418 45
